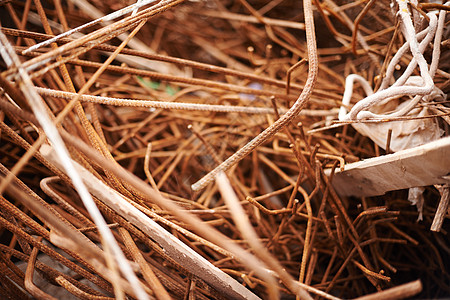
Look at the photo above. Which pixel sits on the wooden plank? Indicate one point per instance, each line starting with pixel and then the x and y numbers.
pixel 172 246
pixel 419 166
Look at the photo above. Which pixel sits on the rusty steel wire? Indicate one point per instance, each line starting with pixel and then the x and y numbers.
pixel 154 102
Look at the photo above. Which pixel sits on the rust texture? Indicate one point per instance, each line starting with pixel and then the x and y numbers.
pixel 157 103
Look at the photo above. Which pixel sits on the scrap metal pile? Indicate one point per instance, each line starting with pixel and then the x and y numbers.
pixel 188 149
